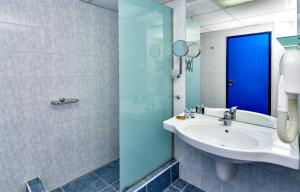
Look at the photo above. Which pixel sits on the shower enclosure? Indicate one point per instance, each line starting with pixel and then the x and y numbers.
pixel 145 53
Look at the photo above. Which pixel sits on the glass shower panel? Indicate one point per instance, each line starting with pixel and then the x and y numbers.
pixel 193 78
pixel 145 46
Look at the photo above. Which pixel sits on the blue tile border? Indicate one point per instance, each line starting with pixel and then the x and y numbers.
pixel 106 179
pixel 35 185
pixel 166 179
pixel 158 180
pixel 175 172
pixel 160 183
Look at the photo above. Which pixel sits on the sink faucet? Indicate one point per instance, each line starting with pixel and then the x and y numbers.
pixel 227 118
pixel 232 112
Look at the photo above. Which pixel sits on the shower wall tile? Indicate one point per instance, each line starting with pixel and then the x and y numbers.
pixel 66 20
pixel 39 13
pixel 48 50
pixel 13 37
pixel 13 11
pixel 38 40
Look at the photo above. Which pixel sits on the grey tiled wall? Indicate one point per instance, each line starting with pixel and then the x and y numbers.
pixel 199 170
pixel 51 49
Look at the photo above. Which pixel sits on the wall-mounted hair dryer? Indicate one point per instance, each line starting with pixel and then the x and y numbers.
pixel 289 96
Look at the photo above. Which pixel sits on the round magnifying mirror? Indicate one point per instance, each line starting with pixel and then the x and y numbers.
pixel 180 48
pixel 194 50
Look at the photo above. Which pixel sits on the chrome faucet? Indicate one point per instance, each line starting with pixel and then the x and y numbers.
pixel 232 112
pixel 227 118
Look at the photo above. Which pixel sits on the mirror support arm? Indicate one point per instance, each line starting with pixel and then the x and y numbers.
pixel 180 65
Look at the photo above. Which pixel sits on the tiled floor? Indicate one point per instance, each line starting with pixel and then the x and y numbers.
pixel 104 179
pixel 182 186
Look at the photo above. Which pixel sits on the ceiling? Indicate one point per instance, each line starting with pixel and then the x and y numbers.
pixel 212 16
pixel 108 4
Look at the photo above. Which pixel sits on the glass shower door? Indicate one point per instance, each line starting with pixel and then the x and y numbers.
pixel 145 50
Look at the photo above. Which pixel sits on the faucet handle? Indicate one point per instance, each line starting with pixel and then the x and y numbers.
pixel 227 114
pixel 234 108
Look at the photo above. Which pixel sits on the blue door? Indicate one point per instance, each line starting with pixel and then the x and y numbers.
pixel 249 72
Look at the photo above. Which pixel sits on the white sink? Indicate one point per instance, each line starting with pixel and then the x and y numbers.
pixel 228 138
pixel 240 141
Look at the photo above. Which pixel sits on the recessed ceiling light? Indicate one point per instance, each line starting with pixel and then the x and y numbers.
pixel 231 3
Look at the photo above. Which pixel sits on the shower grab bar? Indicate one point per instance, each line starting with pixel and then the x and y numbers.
pixel 63 101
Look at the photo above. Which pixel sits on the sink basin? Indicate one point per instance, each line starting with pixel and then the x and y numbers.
pixel 240 141
pixel 224 137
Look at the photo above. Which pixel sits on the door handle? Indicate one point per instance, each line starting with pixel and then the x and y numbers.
pixel 230 82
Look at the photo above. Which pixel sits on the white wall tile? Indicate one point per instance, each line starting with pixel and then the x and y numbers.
pixel 47 51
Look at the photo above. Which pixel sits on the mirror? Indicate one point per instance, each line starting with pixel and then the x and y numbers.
pixel 180 49
pixel 240 56
pixel 194 52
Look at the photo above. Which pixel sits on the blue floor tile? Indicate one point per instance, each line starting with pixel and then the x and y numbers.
pixel 108 189
pixel 191 188
pixel 180 184
pixel 171 189
pixel 110 172
pixel 86 183
pixel 57 190
pixel 116 186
